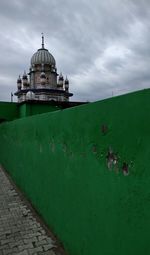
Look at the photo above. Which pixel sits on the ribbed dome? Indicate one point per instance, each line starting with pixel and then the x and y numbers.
pixel 42 56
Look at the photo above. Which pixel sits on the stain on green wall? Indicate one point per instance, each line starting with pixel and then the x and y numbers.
pixel 59 160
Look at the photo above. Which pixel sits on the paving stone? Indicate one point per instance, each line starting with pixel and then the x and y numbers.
pixel 48 253
pixel 23 253
pixel 48 247
pixel 20 233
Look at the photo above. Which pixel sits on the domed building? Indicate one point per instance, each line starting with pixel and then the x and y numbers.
pixel 42 80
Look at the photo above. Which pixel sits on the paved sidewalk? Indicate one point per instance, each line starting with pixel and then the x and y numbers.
pixel 20 231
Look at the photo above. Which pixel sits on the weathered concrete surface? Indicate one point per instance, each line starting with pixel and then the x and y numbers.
pixel 20 231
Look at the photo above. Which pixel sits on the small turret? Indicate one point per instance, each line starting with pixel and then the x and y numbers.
pixel 25 79
pixel 19 83
pixel 43 78
pixel 66 84
pixel 60 81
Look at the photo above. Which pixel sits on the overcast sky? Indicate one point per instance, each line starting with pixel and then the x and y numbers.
pixel 102 45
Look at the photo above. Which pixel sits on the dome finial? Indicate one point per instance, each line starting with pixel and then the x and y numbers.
pixel 42 41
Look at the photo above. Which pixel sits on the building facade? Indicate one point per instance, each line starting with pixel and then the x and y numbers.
pixel 42 83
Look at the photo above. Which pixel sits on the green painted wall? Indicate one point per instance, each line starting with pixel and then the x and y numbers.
pixel 8 111
pixel 59 160
pixel 28 109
